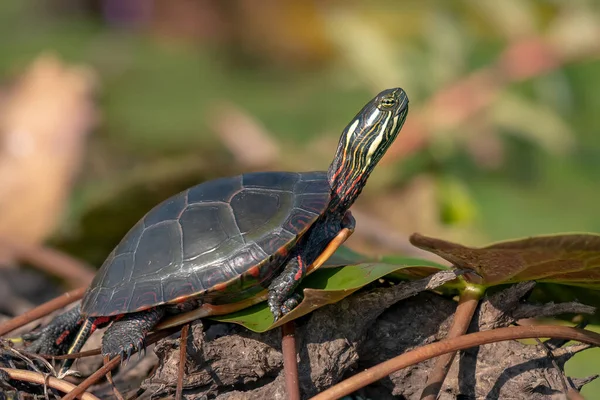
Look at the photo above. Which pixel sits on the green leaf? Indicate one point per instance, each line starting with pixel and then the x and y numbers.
pixel 330 285
pixel 568 259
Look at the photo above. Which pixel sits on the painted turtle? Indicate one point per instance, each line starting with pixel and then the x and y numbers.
pixel 226 240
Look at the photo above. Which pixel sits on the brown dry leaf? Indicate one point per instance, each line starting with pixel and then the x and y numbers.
pixel 567 258
pixel 248 141
pixel 43 123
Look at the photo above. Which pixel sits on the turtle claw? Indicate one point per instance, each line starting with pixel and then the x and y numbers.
pixel 276 311
pixel 126 352
pixel 129 350
pixel 141 347
pixel 291 302
pixel 279 311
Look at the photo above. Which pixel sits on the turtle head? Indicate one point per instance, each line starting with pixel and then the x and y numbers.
pixel 362 144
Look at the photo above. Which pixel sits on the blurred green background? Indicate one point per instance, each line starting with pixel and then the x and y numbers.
pixel 502 140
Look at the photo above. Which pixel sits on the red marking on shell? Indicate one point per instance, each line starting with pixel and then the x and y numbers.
pixel 283 252
pixel 186 288
pixel 220 287
pixel 119 303
pixel 254 271
pixel 180 299
pixel 146 299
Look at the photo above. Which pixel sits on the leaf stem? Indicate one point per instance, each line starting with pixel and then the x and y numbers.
pixel 469 299
pixel 290 363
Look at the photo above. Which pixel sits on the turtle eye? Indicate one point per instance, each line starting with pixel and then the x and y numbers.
pixel 388 102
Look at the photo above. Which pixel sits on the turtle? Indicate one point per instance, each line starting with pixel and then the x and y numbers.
pixel 226 240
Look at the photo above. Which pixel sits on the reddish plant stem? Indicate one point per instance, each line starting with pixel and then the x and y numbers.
pixel 436 349
pixel 110 380
pixel 82 354
pixel 182 358
pixel 469 299
pixel 42 310
pixel 93 378
pixel 290 363
pixel 110 365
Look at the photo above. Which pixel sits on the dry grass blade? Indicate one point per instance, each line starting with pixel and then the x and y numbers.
pixel 437 349
pixel 42 310
pixel 40 379
pixel 182 358
pixel 27 358
pixel 469 299
pixel 290 363
pixel 108 366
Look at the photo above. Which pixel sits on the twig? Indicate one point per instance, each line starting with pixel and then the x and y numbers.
pixel 469 299
pixel 290 363
pixel 82 354
pixel 569 392
pixel 550 355
pixel 40 379
pixel 182 359
pixel 52 261
pixel 112 364
pixel 429 351
pixel 93 378
pixel 109 366
pixel 111 382
pixel 41 310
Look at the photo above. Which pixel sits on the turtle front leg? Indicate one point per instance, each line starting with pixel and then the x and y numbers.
pixel 127 335
pixel 306 258
pixel 281 290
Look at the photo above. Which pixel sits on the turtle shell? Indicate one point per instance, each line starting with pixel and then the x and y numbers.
pixel 222 238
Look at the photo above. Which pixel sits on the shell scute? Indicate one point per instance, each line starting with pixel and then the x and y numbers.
pixel 231 234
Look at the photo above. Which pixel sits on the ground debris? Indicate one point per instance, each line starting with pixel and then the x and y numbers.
pixel 336 341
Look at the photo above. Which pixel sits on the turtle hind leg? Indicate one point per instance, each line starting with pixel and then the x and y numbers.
pixel 127 335
pixel 55 338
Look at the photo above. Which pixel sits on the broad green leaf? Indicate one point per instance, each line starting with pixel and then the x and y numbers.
pixel 330 285
pixel 570 259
